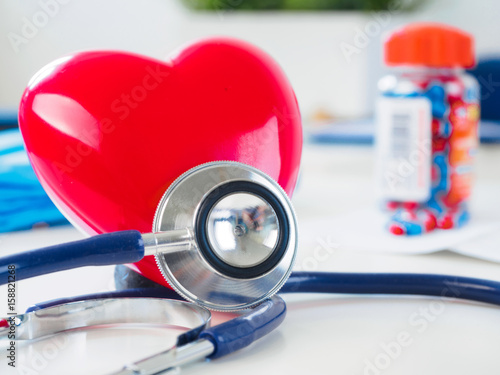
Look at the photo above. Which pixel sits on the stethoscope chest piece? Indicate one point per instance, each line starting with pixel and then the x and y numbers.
pixel 235 233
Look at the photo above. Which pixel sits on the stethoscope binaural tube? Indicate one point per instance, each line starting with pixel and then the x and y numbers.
pixel 257 322
pixel 224 237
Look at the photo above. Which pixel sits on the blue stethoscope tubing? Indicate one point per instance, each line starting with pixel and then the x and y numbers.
pixel 257 322
pixel 128 247
pixel 101 250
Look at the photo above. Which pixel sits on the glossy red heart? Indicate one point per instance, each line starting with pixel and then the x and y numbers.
pixel 108 132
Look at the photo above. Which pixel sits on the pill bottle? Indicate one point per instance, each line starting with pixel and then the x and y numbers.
pixel 426 128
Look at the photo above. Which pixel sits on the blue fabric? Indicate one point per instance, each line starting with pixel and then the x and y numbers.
pixel 23 202
pixel 8 118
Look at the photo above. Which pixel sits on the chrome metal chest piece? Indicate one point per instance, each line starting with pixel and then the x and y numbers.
pixel 229 236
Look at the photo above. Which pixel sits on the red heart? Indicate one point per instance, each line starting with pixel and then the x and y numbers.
pixel 108 132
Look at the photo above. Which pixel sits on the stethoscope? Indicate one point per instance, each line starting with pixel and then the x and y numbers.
pixel 225 238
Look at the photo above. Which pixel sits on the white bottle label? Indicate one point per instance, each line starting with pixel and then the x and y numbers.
pixel 404 148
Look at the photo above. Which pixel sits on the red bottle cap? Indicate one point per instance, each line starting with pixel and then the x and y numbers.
pixel 429 44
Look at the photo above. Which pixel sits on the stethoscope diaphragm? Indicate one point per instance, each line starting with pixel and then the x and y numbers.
pixel 238 232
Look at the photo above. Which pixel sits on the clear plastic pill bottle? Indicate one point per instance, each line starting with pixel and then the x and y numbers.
pixel 427 128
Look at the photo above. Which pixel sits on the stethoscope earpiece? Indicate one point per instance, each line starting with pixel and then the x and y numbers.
pixel 230 236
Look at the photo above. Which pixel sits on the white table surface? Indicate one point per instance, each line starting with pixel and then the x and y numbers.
pixel 321 334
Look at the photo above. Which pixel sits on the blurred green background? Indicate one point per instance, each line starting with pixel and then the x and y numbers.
pixel 299 4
